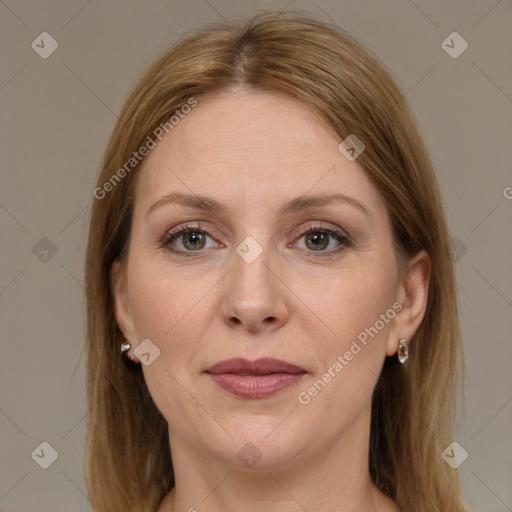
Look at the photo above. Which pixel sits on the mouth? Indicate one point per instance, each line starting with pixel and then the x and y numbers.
pixel 255 379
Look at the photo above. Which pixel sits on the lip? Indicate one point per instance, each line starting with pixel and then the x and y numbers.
pixel 262 366
pixel 255 379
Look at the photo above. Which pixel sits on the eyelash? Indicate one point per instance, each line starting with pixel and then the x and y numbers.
pixel 343 239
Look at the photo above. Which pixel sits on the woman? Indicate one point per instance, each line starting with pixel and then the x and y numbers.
pixel 272 318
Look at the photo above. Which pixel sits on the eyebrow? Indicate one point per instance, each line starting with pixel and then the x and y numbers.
pixel 309 201
pixel 295 205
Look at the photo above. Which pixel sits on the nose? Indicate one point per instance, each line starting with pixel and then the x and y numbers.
pixel 254 298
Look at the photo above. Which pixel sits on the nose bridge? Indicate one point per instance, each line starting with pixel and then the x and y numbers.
pixel 251 279
pixel 252 295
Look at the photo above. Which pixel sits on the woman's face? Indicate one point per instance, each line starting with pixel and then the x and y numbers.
pixel 286 254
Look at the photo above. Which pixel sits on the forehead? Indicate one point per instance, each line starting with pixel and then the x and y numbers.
pixel 263 147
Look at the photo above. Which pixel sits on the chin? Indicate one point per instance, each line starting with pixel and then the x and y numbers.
pixel 261 443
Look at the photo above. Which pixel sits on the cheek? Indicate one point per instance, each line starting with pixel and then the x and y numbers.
pixel 349 304
pixel 161 300
pixel 356 316
pixel 174 312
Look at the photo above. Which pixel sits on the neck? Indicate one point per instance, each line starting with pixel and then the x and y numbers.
pixel 333 478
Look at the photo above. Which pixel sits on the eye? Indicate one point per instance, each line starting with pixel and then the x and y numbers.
pixel 320 239
pixel 186 239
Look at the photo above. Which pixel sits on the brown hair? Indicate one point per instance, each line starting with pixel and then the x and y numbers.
pixel 128 463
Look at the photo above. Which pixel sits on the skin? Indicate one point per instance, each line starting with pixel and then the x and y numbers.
pixel 253 152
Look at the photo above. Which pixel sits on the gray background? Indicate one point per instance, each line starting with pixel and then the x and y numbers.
pixel 57 114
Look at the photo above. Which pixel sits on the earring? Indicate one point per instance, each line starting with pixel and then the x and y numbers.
pixel 125 347
pixel 403 350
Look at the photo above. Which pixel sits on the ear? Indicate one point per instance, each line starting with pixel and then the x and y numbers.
pixel 412 294
pixel 122 310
